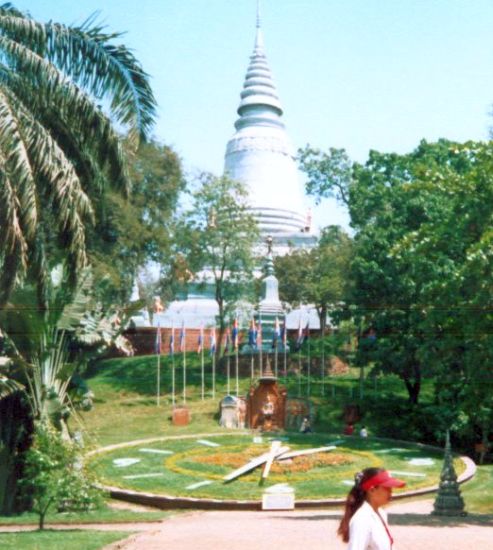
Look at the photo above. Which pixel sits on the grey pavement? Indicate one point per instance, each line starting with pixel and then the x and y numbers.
pixel 411 525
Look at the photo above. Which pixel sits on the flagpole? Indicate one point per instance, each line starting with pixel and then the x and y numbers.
pixel 184 376
pixel 228 372
pixel 299 343
pixel 235 341
pixel 299 372
pixel 183 346
pixel 308 370
pixel 284 343
pixel 158 382
pixel 275 335
pixel 252 367
pixel 212 352
pixel 285 360
pixel 202 370
pixel 323 364
pixel 276 372
pixel 214 375
pixel 157 349
pixel 253 344
pixel 172 355
pixel 173 381
pixel 261 344
pixel 237 371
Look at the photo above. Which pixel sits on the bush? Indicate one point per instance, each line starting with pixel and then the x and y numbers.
pixel 55 476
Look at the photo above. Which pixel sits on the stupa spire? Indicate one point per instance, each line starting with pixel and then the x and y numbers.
pixel 259 105
pixel 259 37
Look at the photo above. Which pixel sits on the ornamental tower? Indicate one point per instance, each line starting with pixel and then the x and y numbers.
pixel 261 156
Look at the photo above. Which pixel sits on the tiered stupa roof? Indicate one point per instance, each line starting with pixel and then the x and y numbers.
pixel 261 156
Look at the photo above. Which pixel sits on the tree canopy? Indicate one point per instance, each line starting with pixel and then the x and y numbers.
pixel 132 231
pixel 219 234
pixel 422 268
pixel 318 276
pixel 63 90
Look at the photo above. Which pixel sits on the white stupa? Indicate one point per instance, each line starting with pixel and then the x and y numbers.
pixel 261 156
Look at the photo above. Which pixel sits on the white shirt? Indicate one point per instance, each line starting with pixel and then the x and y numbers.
pixel 366 530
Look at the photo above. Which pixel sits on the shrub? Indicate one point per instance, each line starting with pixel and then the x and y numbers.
pixel 55 476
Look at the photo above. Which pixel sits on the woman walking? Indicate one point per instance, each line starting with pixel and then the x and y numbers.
pixel 364 524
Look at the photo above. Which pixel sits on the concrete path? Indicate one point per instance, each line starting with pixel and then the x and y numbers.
pixel 411 525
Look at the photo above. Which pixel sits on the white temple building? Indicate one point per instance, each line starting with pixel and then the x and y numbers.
pixel 261 156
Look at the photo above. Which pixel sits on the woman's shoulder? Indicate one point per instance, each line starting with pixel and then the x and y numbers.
pixel 362 513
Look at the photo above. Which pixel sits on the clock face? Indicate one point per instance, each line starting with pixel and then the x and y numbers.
pixel 196 466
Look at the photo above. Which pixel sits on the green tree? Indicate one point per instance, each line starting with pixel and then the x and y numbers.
pixel 390 197
pixel 135 230
pixel 450 256
pixel 328 174
pixel 55 475
pixel 328 284
pixel 58 148
pixel 293 270
pixel 219 237
pixel 48 345
pixel 319 276
pixel 41 350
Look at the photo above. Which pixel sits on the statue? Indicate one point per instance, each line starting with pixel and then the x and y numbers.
pixel 268 407
pixel 157 306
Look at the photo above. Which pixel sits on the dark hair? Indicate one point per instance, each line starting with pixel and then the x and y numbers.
pixel 354 500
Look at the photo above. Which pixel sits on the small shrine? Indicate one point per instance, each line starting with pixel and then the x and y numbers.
pixel 233 412
pixel 266 409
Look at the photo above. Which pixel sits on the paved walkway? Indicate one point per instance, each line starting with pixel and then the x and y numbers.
pixel 412 528
pixel 411 524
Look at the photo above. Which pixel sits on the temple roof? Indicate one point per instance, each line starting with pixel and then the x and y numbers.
pixel 258 88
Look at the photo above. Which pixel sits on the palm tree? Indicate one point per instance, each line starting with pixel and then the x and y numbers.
pixel 63 92
pixel 40 351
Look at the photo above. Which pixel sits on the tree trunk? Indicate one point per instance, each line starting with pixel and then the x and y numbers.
pixel 222 326
pixel 15 436
pixel 322 315
pixel 42 516
pixel 413 385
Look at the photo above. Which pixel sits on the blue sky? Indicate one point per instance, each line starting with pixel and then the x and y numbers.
pixel 357 74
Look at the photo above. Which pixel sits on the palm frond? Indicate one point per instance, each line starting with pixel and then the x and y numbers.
pixel 13 245
pixel 17 164
pixel 48 92
pixel 89 57
pixel 87 54
pixel 8 386
pixel 57 146
pixel 75 310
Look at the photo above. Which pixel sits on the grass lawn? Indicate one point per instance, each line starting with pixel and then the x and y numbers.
pixel 317 476
pixel 125 408
pixel 125 403
pixel 104 514
pixel 60 540
pixel 478 493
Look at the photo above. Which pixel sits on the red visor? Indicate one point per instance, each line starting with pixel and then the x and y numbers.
pixel 382 479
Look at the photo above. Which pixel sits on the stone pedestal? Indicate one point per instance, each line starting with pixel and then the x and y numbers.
pixel 278 497
pixel 181 416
